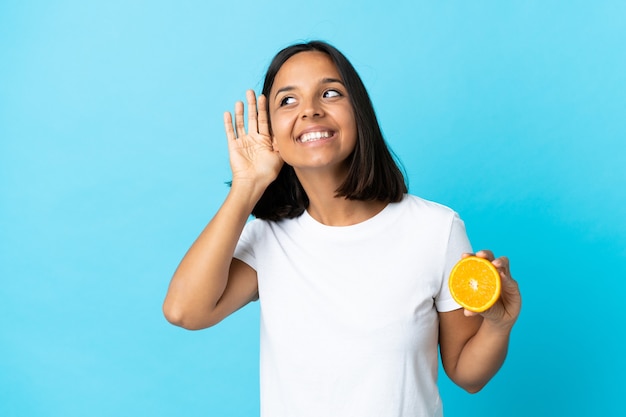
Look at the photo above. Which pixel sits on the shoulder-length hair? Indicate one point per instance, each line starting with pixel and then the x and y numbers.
pixel 373 173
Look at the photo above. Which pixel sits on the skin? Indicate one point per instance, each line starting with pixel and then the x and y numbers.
pixel 473 346
pixel 308 96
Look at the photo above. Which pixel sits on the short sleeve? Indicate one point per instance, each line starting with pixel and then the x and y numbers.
pixel 458 244
pixel 244 251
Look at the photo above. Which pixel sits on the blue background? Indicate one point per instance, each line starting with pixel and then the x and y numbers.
pixel 113 158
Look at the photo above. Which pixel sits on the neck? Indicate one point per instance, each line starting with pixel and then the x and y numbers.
pixel 331 210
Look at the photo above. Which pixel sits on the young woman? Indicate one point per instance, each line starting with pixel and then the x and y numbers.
pixel 350 270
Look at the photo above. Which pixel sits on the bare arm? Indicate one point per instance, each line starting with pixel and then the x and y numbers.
pixel 474 347
pixel 209 284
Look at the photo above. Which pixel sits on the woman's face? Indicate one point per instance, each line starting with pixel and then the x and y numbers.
pixel 312 118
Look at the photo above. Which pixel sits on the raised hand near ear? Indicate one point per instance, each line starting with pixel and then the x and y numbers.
pixel 252 156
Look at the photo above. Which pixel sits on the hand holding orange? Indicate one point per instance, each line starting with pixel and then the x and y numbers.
pixel 475 283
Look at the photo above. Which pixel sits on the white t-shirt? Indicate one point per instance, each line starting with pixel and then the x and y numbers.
pixel 349 323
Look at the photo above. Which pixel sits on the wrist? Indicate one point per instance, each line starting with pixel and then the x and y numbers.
pixel 246 191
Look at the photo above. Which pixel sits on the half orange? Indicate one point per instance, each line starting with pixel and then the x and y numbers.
pixel 475 283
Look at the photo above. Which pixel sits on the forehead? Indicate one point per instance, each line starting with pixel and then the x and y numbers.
pixel 305 67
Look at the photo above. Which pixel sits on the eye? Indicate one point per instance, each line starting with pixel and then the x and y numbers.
pixel 287 100
pixel 331 94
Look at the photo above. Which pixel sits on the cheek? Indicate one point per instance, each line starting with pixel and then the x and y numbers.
pixel 351 121
pixel 280 128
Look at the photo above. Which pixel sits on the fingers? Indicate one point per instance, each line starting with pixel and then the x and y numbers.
pixel 228 126
pixel 503 267
pixel 502 264
pixel 239 123
pixel 487 254
pixel 258 120
pixel 252 111
pixel 264 125
pixel 506 310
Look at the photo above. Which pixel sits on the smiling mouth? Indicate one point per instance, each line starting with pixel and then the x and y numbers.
pixel 313 136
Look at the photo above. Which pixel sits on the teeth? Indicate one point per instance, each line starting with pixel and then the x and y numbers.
pixel 309 137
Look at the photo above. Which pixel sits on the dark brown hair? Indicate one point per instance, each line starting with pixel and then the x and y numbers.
pixel 373 172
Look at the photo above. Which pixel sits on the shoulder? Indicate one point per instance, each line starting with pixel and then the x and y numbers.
pixel 254 229
pixel 258 228
pixel 426 208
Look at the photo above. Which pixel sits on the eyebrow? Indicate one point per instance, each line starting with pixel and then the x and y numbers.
pixel 323 81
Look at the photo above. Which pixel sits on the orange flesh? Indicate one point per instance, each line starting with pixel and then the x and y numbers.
pixel 475 283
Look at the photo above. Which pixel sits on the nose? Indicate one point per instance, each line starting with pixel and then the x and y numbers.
pixel 312 108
